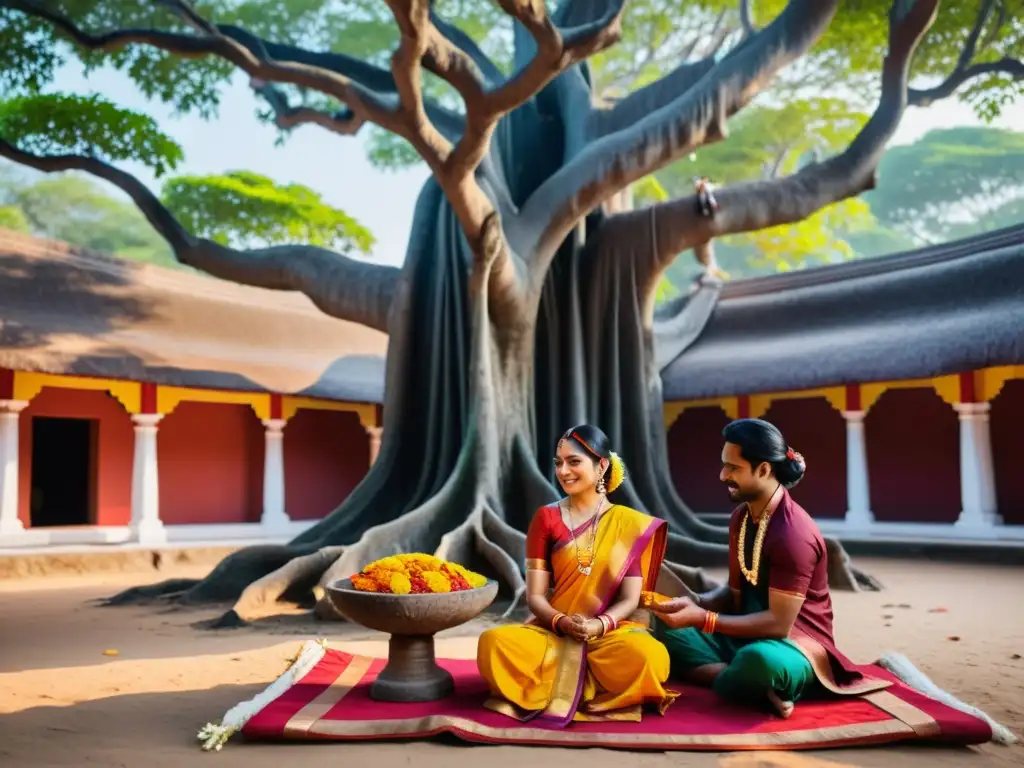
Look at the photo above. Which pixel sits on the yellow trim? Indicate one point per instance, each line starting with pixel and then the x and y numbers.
pixel 28 384
pixel 946 387
pixel 990 382
pixel 168 398
pixel 759 404
pixel 673 409
pixel 367 412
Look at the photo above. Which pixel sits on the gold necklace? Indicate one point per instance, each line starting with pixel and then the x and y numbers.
pixel 585 560
pixel 751 575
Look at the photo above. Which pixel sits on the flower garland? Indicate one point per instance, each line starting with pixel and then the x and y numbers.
pixel 415 574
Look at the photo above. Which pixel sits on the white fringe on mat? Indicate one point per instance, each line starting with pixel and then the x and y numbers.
pixel 901 666
pixel 215 735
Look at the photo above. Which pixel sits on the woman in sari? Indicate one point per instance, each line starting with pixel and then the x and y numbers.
pixel 581 656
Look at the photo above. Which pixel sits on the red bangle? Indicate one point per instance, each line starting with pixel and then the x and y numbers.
pixel 554 622
pixel 609 621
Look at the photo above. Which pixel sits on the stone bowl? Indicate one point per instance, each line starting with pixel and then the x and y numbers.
pixel 411 674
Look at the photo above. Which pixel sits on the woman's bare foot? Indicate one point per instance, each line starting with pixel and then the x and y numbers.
pixel 784 708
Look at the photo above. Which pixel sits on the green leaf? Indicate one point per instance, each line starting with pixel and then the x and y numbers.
pixel 246 209
pixel 56 123
pixel 12 217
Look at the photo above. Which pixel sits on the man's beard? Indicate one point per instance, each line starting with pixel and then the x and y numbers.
pixel 738 494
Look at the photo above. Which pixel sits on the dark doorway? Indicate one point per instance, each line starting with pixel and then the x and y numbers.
pixel 62 471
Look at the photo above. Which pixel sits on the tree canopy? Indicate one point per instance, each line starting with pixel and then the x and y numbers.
pixel 950 182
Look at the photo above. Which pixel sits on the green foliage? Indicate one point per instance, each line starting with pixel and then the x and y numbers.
pixel 948 179
pixel 77 210
pixel 243 208
pixel 12 217
pixel 767 142
pixel 55 123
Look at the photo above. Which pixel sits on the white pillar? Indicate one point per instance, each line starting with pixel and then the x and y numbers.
pixel 858 487
pixel 375 434
pixel 274 518
pixel 146 527
pixel 977 473
pixel 10 524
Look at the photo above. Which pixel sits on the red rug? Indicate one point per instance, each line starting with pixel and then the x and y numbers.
pixel 325 696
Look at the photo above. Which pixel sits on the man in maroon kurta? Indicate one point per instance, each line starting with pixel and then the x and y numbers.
pixel 766 636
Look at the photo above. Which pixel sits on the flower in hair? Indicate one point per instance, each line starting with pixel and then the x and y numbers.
pixel 618 473
pixel 795 456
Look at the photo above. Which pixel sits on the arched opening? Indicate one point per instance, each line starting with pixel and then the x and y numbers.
pixel 211 464
pixel 1006 420
pixel 913 447
pixel 695 459
pixel 75 459
pixel 326 455
pixel 818 431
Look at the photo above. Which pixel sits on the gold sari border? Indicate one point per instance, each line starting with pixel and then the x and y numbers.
pixel 569 679
pixel 432 725
pixel 817 656
pixel 924 725
pixel 303 721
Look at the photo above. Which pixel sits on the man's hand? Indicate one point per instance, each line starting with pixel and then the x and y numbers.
pixel 680 613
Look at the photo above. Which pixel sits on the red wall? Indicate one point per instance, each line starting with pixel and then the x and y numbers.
pixel 695 459
pixel 818 431
pixel 1007 424
pixel 211 464
pixel 326 454
pixel 913 446
pixel 114 447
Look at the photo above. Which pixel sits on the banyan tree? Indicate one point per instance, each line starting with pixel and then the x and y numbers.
pixel 526 301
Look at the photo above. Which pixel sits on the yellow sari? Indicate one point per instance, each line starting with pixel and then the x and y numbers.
pixel 533 672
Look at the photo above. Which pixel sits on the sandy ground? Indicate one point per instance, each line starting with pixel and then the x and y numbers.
pixel 64 703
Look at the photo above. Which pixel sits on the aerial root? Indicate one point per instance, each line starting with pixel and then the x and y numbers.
pixel 162 590
pixel 297 579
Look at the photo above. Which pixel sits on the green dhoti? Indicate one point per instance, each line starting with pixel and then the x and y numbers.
pixel 752 666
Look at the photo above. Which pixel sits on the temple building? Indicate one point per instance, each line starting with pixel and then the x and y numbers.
pixel 146 405
pixel 900 379
pixel 141 404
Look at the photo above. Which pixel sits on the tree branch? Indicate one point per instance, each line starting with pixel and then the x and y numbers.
pixel 694 117
pixel 362 101
pixel 464 42
pixel 343 122
pixel 747 18
pixel 757 205
pixel 964 70
pixel 557 51
pixel 342 287
pixel 368 76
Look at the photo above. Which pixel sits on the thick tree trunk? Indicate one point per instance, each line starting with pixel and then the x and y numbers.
pixel 473 408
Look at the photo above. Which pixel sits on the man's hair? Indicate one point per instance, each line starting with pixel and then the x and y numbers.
pixel 760 441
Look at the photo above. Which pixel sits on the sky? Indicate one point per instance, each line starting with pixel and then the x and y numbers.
pixel 337 167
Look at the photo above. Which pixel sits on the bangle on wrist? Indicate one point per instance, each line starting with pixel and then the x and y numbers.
pixel 554 622
pixel 710 622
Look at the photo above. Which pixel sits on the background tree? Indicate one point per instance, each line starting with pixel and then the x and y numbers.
pixel 523 306
pixel 951 183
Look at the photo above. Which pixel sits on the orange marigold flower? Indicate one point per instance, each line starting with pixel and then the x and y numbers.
pixel 364 583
